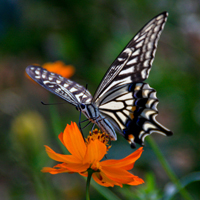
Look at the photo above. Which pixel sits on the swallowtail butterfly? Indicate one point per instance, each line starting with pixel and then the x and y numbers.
pixel 122 103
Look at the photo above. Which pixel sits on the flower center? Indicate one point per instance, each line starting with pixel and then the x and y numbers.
pixel 96 166
pixel 97 135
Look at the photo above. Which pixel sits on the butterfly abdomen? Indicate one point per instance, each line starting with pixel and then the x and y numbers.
pixel 93 114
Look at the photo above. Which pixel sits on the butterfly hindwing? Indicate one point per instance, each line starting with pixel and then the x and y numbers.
pixel 132 111
pixel 66 89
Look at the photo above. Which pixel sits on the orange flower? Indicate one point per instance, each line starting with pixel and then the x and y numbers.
pixel 58 67
pixel 87 154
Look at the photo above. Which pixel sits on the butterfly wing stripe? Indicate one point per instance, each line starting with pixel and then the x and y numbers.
pixel 134 62
pixel 132 110
pixel 66 89
pixel 114 119
pixel 113 71
pixel 110 95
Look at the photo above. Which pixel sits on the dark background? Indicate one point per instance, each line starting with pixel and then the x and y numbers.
pixel 89 35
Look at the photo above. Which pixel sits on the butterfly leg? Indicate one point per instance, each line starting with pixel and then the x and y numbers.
pixel 84 120
pixel 92 128
pixel 79 124
pixel 87 124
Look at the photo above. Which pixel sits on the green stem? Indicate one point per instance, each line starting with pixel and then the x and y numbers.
pixel 90 172
pixel 56 122
pixel 42 187
pixel 184 193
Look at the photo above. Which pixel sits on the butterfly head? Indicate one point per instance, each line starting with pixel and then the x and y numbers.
pixel 80 107
pixel 88 110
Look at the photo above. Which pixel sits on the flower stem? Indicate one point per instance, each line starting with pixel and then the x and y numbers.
pixel 184 193
pixel 90 172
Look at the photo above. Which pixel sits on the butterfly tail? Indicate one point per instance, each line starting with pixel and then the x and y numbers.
pixel 142 120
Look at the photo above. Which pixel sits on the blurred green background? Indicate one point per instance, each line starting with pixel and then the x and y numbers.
pixel 89 35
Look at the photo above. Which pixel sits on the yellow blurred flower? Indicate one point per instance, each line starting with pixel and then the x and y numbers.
pixel 87 155
pixel 29 126
pixel 28 133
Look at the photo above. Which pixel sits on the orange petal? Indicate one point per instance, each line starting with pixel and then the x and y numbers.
pixel 118 175
pixel 60 68
pixel 125 163
pixel 85 173
pixel 96 150
pixel 65 167
pixel 73 167
pixel 74 141
pixel 137 181
pixel 53 171
pixel 60 137
pixel 101 179
pixel 59 168
pixel 60 157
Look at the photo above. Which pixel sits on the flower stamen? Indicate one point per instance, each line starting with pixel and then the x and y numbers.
pixel 97 135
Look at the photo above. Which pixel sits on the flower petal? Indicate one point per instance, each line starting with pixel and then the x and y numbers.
pixel 137 181
pixel 117 174
pixel 96 150
pixel 53 170
pixel 63 167
pixel 60 68
pixel 74 167
pixel 125 163
pixel 73 141
pixel 84 173
pixel 103 180
pixel 60 157
pixel 60 137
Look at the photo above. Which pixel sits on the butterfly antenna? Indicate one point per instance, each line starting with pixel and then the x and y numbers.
pixel 84 120
pixel 87 124
pixel 48 104
pixel 93 127
pixel 109 140
pixel 79 124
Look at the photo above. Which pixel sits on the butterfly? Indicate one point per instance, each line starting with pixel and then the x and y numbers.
pixel 123 102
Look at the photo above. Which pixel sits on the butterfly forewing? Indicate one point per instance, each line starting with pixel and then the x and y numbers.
pixel 134 62
pixel 66 89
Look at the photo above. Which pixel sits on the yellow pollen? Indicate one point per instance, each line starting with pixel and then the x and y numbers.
pixel 97 135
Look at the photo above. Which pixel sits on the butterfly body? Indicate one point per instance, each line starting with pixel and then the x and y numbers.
pixel 92 113
pixel 122 103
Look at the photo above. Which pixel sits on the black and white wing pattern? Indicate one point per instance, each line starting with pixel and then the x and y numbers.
pixel 134 63
pixel 122 97
pixel 122 102
pixel 66 89
pixel 132 111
